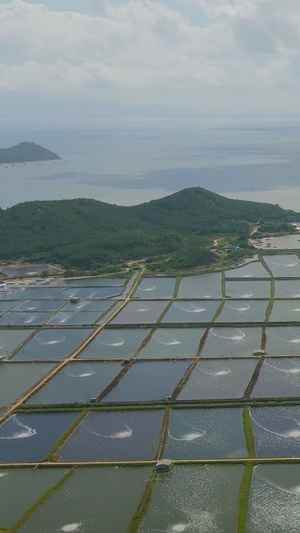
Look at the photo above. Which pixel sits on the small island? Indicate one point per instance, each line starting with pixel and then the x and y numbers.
pixel 26 152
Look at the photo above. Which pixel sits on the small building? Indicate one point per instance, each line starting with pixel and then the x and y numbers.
pixel 163 466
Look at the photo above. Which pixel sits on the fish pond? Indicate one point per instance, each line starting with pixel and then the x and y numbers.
pixel 10 339
pixel 283 340
pixel 115 343
pixel 52 344
pixel 278 378
pixel 155 288
pixel 287 288
pixel 204 286
pixel 232 341
pixel 248 289
pixel 147 312
pixel 195 499
pixel 283 266
pixel 187 311
pixel 205 434
pixel 243 311
pixel 173 342
pixel 276 430
pixel 114 436
pixel 218 380
pixel 17 378
pixel 285 311
pixel 251 270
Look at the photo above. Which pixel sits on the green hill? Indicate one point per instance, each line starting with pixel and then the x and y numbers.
pixel 82 233
pixel 26 152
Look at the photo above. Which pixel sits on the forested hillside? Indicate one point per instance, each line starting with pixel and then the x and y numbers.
pixel 26 152
pixel 82 233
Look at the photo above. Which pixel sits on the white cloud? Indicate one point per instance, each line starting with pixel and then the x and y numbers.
pixel 144 51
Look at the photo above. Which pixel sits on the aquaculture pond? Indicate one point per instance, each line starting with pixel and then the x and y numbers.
pixel 93 282
pixel 243 311
pixel 283 340
pixel 203 286
pixel 173 342
pixel 17 378
pixel 89 305
pixel 274 499
pixel 140 312
pixel 40 305
pixel 5 305
pixel 287 288
pixel 14 318
pixel 155 288
pixel 29 437
pixel 218 380
pixel 26 270
pixel 276 430
pixel 283 266
pixel 148 381
pixel 75 318
pixel 195 499
pixel 205 434
pixel 115 343
pixel 251 270
pixel 285 311
pixel 21 488
pixel 10 339
pixel 90 292
pixel 52 344
pixel 31 293
pixel 77 383
pixel 92 500
pixel 248 289
pixel 186 311
pixel 279 377
pixel 232 341
pixel 114 436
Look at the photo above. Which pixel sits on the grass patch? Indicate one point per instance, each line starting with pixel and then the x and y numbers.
pixel 143 506
pixel 248 433
pixel 52 455
pixel 176 287
pixel 244 499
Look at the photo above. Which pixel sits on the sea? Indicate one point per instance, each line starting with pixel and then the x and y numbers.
pixel 127 161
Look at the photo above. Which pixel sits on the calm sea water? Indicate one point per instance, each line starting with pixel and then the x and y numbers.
pixel 129 162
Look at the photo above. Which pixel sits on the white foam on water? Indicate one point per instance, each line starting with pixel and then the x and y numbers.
pixel 246 295
pixel 25 432
pixel 293 490
pixel 297 310
pixel 83 375
pixel 239 337
pixel 125 434
pixel 168 340
pixel 191 309
pixel 291 341
pixel 293 433
pixel 178 528
pixel 147 289
pixel 3 474
pixel 2 346
pixel 289 265
pixel 30 319
pixel 141 309
pixel 70 528
pixel 56 340
pixel 293 370
pixel 188 436
pixel 222 372
pixel 245 308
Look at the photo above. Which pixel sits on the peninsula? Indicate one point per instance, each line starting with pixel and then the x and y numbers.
pixel 26 152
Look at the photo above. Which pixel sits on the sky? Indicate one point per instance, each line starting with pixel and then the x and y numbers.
pixel 86 57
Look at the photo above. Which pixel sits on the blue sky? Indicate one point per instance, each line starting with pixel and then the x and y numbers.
pixel 216 56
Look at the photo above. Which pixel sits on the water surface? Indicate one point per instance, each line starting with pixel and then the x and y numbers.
pixel 276 430
pixel 52 344
pixel 186 311
pixel 155 288
pixel 243 311
pixel 15 379
pixel 115 343
pixel 203 286
pixel 248 289
pixel 232 341
pixel 173 342
pixel 283 266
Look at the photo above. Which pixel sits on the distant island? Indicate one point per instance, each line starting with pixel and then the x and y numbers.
pixel 184 230
pixel 26 152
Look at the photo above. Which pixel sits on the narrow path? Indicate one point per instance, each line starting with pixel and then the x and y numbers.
pixel 73 356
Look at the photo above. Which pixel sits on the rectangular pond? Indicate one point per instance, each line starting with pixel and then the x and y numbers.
pixel 195 499
pixel 29 437
pixel 251 270
pixel 173 342
pixel 283 340
pixel 187 311
pixel 93 282
pixel 7 306
pixel 276 430
pixel 115 343
pixel 10 339
pixel 92 500
pixel 14 318
pixel 21 488
pixel 17 378
pixel 274 499
pixel 75 318
pixel 78 382
pixel 114 436
pixel 248 289
pixel 148 381
pixel 32 293
pixel 218 380
pixel 91 292
pixel 52 344
pixel 140 312
pixel 203 286
pixel 243 311
pixel 283 266
pixel 40 305
pixel 232 341
pixel 279 377
pixel 155 288
pixel 89 305
pixel 285 311
pixel 205 434
pixel 287 288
